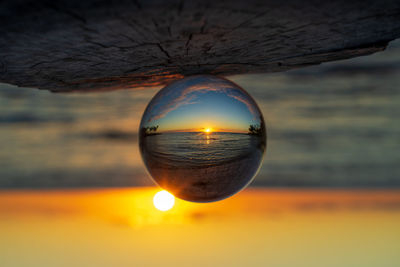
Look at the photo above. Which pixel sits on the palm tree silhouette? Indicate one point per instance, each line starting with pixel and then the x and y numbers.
pixel 150 130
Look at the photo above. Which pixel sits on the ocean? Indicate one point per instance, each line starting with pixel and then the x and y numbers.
pixel 202 167
pixel 332 125
pixel 197 149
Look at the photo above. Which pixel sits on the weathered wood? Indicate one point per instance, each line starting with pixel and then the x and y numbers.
pixel 84 45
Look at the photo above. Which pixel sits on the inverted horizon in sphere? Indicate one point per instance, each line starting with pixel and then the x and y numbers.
pixel 202 102
pixel 202 138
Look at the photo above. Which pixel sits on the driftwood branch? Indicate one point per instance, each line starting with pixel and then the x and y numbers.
pixel 86 45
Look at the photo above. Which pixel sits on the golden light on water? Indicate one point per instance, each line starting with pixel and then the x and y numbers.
pixel 163 200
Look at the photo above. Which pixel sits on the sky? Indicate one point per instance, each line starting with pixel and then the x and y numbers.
pixel 202 102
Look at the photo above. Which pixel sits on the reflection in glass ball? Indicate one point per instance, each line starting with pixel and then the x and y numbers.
pixel 202 138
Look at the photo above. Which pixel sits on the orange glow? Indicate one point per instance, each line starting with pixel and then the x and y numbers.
pixel 123 226
pixel 208 130
pixel 137 207
pixel 163 200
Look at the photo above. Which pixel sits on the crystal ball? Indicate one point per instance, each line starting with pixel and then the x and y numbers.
pixel 202 138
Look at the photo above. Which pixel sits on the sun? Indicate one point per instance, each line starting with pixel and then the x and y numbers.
pixel 163 200
pixel 207 130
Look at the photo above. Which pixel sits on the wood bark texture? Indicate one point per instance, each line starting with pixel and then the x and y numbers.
pixel 92 45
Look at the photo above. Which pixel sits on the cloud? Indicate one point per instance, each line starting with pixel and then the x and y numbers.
pixel 173 106
pixel 181 94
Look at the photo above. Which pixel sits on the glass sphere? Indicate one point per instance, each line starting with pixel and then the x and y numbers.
pixel 202 138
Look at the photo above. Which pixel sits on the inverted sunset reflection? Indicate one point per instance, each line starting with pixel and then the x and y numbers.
pixel 202 102
pixel 202 138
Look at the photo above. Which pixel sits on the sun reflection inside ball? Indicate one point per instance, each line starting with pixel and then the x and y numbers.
pixel 207 130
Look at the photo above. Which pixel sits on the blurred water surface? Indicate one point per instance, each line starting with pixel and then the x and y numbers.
pixel 196 149
pixel 333 125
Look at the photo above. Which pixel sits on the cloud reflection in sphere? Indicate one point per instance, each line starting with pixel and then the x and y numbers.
pixel 202 138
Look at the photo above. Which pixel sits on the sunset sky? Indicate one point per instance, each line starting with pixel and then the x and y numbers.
pixel 258 227
pixel 202 102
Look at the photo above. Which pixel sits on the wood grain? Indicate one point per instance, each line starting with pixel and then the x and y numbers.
pixel 96 45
